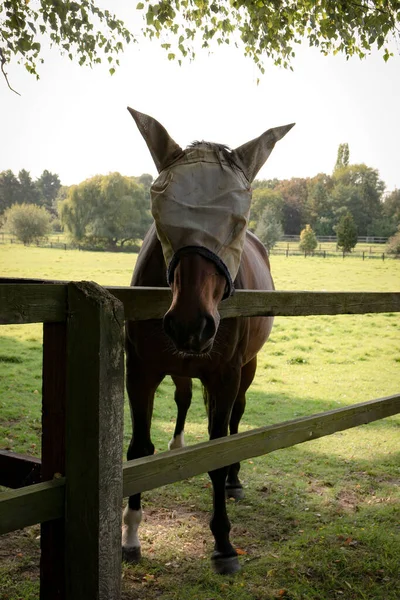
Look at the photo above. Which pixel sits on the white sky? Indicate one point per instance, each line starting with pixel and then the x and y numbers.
pixel 74 122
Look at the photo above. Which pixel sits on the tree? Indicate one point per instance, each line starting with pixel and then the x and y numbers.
pixel 265 198
pixel 393 246
pixel 319 204
pixel 391 208
pixel 294 193
pixel 28 192
pixel 106 210
pixel 357 189
pixel 265 183
pixel 346 231
pixel 28 222
pixel 145 180
pixel 78 29
pixel 23 190
pixel 308 240
pixel 48 186
pixel 9 190
pixel 343 156
pixel 91 34
pixel 269 229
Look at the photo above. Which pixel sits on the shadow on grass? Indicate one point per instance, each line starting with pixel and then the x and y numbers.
pixel 327 529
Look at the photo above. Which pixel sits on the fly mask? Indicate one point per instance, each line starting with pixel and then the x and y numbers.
pixel 201 203
pixel 201 199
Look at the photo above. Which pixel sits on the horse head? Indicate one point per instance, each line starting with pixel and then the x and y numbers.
pixel 201 204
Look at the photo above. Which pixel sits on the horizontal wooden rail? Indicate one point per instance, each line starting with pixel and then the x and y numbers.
pixel 154 471
pixel 152 303
pixel 45 501
pixel 32 504
pixel 39 303
pixel 32 303
pixel 18 470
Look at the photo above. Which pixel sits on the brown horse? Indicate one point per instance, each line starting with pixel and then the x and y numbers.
pixel 200 203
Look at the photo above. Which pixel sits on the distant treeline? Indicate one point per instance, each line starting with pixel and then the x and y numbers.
pixel 113 210
pixel 21 189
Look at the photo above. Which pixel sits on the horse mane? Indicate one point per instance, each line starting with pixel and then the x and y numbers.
pixel 219 149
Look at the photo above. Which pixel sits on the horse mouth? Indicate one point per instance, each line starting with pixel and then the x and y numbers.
pixel 187 352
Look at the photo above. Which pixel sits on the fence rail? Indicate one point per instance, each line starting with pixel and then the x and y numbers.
pixel 43 303
pixel 366 239
pixel 363 254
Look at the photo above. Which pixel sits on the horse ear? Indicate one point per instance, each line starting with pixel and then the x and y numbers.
pixel 253 155
pixel 162 147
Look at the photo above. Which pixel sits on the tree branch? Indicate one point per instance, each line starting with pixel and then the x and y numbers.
pixel 3 62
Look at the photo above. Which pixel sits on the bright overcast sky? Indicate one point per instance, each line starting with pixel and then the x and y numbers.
pixel 74 122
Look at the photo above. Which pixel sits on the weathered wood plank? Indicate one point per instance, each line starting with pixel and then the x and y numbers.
pixel 154 471
pixel 32 303
pixel 36 302
pixel 95 397
pixel 297 304
pixel 151 303
pixel 32 504
pixel 18 470
pixel 52 535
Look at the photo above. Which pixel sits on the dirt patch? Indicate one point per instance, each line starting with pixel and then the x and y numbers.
pixel 180 528
pixel 318 487
pixel 19 559
pixel 348 500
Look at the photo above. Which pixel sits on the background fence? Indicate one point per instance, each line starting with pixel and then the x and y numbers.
pixel 79 498
pixel 366 248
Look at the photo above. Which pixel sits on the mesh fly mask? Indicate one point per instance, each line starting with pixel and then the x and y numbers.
pixel 201 204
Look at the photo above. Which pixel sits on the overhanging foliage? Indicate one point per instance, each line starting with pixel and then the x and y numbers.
pixel 90 34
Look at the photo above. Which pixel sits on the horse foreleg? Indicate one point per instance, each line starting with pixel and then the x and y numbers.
pixel 183 398
pixel 220 398
pixel 234 488
pixel 141 388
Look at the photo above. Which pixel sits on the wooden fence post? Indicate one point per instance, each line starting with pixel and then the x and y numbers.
pixel 52 559
pixel 94 434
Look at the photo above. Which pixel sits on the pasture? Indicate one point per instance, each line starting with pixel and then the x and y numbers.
pixel 319 520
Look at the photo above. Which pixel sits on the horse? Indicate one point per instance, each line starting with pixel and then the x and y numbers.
pixel 199 244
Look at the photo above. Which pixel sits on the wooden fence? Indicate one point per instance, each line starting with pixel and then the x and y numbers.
pixel 82 478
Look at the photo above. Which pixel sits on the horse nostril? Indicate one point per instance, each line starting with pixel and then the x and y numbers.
pixel 209 328
pixel 168 324
pixel 194 336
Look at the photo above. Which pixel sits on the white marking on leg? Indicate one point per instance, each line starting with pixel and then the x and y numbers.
pixel 131 521
pixel 177 442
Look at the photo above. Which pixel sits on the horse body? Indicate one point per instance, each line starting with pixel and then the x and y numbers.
pixel 190 342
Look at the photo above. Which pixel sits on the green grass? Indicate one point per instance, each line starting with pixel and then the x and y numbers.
pixel 319 521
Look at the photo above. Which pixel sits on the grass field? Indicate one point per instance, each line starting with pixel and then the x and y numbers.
pixel 319 521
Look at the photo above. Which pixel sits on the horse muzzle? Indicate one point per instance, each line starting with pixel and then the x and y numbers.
pixel 191 337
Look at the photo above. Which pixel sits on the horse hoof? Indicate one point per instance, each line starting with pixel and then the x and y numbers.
pixel 131 554
pixel 225 565
pixel 234 492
